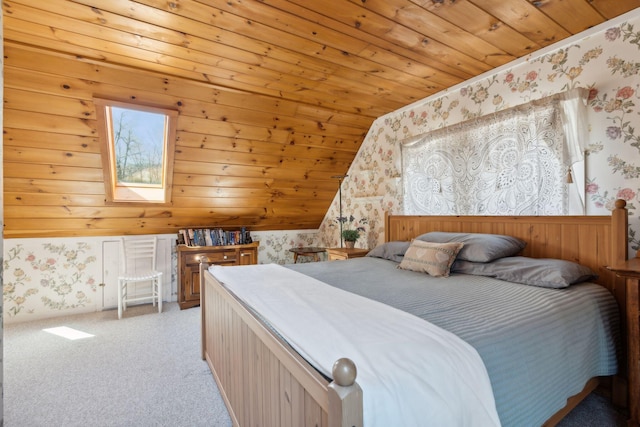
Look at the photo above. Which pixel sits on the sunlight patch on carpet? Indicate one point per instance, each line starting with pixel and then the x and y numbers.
pixel 68 333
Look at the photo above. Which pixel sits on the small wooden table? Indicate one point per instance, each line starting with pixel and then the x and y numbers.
pixel 630 271
pixel 310 251
pixel 346 253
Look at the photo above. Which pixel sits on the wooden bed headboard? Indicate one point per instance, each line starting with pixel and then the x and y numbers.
pixel 594 241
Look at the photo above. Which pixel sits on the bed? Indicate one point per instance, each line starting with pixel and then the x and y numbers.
pixel 265 381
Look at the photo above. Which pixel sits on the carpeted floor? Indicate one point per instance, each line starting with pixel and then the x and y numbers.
pixel 143 370
pixel 594 411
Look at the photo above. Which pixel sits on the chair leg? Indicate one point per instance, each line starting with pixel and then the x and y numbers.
pixel 159 294
pixel 119 299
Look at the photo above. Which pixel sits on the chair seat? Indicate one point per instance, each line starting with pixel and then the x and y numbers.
pixel 139 277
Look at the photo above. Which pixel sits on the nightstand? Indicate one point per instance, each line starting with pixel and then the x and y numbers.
pixel 345 253
pixel 630 271
pixel 306 252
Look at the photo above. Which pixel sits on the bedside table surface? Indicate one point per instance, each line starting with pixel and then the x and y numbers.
pixel 310 251
pixel 631 267
pixel 307 250
pixel 349 250
pixel 346 253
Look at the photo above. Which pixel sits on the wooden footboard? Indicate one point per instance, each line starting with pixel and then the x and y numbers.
pixel 263 381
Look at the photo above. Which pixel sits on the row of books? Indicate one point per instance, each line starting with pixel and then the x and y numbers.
pixel 213 237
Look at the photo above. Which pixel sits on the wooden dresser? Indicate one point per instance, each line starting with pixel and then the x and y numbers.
pixel 345 253
pixel 189 266
pixel 630 271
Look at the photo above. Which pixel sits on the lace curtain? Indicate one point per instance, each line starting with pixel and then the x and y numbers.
pixel 514 162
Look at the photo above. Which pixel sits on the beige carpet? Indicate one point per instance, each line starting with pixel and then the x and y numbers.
pixel 143 370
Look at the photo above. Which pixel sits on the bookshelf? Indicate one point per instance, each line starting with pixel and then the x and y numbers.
pixel 213 237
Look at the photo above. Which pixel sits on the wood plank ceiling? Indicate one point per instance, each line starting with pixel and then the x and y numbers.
pixel 275 96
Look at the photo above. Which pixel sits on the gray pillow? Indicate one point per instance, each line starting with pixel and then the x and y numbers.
pixel 544 272
pixel 393 251
pixel 478 247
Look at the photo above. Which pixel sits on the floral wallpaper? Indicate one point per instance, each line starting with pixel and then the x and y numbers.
pixel 39 277
pixel 605 61
pixel 53 277
pixel 274 245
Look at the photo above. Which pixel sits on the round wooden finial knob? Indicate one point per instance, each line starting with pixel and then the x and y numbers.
pixel 620 203
pixel 344 372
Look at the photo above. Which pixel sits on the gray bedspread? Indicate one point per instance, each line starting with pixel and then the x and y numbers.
pixel 539 345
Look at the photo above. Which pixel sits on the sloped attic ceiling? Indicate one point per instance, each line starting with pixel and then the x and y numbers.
pixel 275 96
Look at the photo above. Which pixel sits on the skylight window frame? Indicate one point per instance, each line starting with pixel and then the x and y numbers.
pixel 127 193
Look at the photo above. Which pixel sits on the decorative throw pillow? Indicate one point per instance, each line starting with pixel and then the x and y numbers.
pixel 478 247
pixel 434 259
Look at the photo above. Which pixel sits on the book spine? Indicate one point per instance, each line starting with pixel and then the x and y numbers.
pixel 213 237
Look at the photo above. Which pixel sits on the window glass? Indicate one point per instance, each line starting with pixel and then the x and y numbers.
pixel 138 144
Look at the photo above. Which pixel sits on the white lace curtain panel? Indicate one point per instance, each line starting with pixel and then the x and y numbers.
pixel 513 162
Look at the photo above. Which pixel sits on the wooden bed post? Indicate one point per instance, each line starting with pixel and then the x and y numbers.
pixel 204 265
pixel 345 396
pixel 628 271
pixel 262 380
pixel 386 226
pixel 619 225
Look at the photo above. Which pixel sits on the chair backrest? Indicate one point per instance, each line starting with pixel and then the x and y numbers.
pixel 138 254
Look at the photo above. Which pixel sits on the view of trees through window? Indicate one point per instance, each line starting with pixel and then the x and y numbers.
pixel 138 138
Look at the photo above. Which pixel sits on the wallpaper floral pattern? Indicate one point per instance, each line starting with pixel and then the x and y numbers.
pixel 605 61
pixel 54 277
pixel 44 277
pixel 274 245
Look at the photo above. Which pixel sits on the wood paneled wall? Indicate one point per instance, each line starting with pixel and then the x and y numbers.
pixel 241 159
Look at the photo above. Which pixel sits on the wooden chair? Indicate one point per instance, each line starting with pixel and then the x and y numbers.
pixel 138 262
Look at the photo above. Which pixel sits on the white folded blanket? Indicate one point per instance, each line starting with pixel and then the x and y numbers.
pixel 412 372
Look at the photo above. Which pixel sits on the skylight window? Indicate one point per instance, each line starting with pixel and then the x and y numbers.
pixel 137 146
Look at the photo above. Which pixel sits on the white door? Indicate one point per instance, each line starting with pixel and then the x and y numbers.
pixel 110 266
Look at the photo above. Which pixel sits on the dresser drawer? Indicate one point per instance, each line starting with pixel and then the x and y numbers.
pixel 226 256
pixel 213 257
